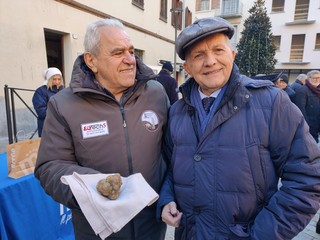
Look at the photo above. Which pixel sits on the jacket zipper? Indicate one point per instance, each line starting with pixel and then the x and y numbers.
pixel 124 124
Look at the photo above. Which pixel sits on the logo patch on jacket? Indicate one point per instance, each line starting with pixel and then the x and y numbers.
pixel 95 129
pixel 150 120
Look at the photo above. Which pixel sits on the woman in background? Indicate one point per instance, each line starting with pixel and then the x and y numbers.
pixel 53 84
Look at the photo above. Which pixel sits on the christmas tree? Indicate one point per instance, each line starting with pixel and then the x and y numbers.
pixel 256 50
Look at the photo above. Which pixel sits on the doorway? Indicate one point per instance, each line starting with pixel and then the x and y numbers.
pixel 54 49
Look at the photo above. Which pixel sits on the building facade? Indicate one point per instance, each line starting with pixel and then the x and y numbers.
pixel 37 34
pixel 295 29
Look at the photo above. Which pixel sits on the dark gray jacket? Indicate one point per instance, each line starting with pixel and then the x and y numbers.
pixel 132 145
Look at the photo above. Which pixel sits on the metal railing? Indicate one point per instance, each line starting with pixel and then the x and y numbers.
pixel 9 95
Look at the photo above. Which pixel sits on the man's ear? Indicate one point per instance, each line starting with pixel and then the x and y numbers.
pixel 186 68
pixel 90 60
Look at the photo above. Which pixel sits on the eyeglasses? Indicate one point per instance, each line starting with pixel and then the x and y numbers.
pixel 315 78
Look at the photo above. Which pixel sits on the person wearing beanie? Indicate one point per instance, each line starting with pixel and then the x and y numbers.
pixel 169 83
pixel 283 83
pixel 53 83
pixel 230 139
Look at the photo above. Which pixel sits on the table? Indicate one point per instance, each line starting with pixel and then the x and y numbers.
pixel 27 212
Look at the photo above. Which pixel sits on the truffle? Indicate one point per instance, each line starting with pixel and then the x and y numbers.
pixel 110 186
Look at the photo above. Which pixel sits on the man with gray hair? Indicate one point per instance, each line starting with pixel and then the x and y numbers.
pixel 109 120
pixel 308 101
pixel 227 152
pixel 299 82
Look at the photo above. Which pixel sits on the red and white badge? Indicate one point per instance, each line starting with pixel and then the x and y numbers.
pixel 95 129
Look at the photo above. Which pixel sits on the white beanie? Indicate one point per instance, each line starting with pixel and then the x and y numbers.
pixel 48 73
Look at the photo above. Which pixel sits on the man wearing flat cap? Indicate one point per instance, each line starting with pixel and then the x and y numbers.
pixel 226 152
pixel 283 83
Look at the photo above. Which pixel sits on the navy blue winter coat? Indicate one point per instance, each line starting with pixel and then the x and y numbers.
pixel 169 84
pixel 225 181
pixel 309 104
pixel 40 100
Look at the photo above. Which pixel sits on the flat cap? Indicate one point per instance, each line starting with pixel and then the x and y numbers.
pixel 201 28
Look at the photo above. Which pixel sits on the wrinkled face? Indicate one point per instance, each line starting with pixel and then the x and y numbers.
pixel 210 62
pixel 315 79
pixel 115 65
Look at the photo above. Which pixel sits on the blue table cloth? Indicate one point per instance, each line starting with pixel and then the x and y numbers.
pixel 27 212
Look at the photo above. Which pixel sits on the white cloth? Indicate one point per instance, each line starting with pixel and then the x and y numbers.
pixel 104 215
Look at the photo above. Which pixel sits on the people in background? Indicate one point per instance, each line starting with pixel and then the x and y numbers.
pixel 308 100
pixel 227 151
pixel 53 83
pixel 110 120
pixel 283 83
pixel 300 81
pixel 169 83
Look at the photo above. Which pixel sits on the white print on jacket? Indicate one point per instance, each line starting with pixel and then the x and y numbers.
pixel 150 120
pixel 65 214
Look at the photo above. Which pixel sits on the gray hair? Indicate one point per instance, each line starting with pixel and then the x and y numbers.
pixel 92 37
pixel 312 72
pixel 302 77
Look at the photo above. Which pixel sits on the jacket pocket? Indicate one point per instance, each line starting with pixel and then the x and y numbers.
pixel 185 231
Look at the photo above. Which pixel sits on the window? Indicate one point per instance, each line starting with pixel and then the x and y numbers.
pixel 297 45
pixel 277 6
pixel 163 10
pixel 302 9
pixel 204 5
pixel 276 42
pixel 317 46
pixel 230 7
pixel 138 3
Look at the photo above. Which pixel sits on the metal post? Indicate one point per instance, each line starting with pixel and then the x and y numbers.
pixel 183 26
pixel 8 112
pixel 175 11
pixel 14 119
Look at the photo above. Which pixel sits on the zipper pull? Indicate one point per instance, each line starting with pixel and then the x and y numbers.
pixel 124 124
